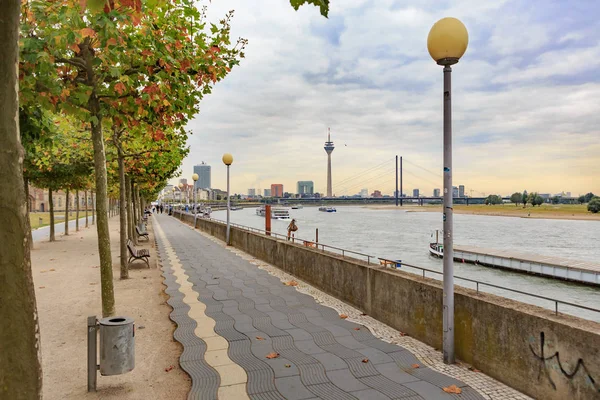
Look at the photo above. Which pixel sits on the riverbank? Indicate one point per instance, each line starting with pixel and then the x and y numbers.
pixel 67 286
pixel 546 211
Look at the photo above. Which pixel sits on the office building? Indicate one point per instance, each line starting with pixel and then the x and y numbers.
pixel 364 193
pixel 306 187
pixel 267 193
pixel 376 194
pixel 461 190
pixel 277 190
pixel 415 192
pixel 454 191
pixel 203 171
pixel 436 192
pixel 251 192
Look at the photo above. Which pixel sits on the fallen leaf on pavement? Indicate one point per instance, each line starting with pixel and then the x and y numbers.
pixel 42 271
pixel 290 283
pixel 288 366
pixel 52 259
pixel 452 389
pixel 42 287
pixel 169 368
pixel 260 338
pixel 363 314
pixel 272 355
pixel 415 366
pixel 365 360
pixel 343 316
pixel 52 269
pixel 357 329
pixel 474 369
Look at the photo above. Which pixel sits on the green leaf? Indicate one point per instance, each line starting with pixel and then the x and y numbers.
pixel 322 4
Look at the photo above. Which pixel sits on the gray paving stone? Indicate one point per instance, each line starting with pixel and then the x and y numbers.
pixel 308 346
pixel 299 334
pixel 292 388
pixel 331 362
pixel 351 343
pixel 344 379
pixel 375 356
pixel 427 390
pixel 369 394
pixel 393 372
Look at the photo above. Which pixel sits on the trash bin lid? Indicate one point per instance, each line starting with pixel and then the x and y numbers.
pixel 116 321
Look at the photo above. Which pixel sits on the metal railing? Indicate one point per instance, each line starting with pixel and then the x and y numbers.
pixel 343 252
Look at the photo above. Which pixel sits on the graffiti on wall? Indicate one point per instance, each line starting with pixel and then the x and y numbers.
pixel 546 365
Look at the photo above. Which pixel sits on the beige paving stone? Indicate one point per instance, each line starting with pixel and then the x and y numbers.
pixel 217 357
pixel 216 343
pixel 231 374
pixel 233 392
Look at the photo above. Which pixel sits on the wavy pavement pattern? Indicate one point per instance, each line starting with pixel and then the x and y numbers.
pixel 321 355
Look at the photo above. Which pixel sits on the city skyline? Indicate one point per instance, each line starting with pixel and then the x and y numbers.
pixel 523 113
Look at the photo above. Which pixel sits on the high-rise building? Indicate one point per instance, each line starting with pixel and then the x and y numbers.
pixel 415 192
pixel 329 149
pixel 183 181
pixel 203 171
pixel 277 190
pixel 306 187
pixel 461 190
pixel 251 192
pixel 454 191
pixel 376 194
pixel 436 192
pixel 267 193
pixel 364 193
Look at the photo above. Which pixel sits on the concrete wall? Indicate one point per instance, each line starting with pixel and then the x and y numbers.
pixel 544 355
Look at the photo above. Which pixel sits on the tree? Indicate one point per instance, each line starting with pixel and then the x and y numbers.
pixel 524 198
pixel 20 366
pixel 581 199
pixel 493 199
pixel 516 198
pixel 322 4
pixel 555 200
pixel 539 200
pixel 594 205
pixel 589 196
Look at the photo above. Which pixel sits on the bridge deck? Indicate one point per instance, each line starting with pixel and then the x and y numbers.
pixel 584 266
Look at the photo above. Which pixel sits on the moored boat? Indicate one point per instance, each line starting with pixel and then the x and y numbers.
pixel 327 209
pixel 276 212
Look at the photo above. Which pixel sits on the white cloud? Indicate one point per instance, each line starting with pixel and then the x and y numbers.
pixel 381 94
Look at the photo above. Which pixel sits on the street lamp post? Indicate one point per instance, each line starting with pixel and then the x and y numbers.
pixel 195 179
pixel 228 160
pixel 447 42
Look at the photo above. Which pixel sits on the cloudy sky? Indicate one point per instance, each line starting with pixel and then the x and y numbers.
pixel 526 97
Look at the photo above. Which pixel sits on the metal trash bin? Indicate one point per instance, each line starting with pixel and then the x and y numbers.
pixel 117 345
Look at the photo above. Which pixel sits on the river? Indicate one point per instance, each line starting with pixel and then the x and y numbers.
pixel 398 234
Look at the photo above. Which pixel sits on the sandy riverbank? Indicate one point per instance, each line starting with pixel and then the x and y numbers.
pixel 562 211
pixel 67 287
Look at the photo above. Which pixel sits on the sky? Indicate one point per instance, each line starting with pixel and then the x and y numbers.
pixel 526 97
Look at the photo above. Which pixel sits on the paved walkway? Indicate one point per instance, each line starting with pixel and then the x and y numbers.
pixel 233 317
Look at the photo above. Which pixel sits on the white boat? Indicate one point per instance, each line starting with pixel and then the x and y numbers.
pixel 327 209
pixel 296 206
pixel 276 212
pixel 436 249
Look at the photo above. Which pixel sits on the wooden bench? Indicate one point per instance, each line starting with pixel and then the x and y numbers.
pixel 141 231
pixel 137 254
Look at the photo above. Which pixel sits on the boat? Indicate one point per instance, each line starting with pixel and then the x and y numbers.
pixel 436 249
pixel 276 212
pixel 296 206
pixel 235 208
pixel 327 209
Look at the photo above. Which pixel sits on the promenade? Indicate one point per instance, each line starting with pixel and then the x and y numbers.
pixel 247 335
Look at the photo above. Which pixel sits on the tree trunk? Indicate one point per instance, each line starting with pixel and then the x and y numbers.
pixel 28 219
pixel 122 216
pixel 77 211
pixel 20 364
pixel 67 212
pixel 51 206
pixel 106 275
pixel 130 229
pixel 134 202
pixel 86 208
pixel 93 199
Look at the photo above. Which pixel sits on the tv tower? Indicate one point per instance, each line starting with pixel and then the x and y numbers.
pixel 329 149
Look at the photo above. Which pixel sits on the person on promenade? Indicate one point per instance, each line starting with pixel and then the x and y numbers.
pixel 291 228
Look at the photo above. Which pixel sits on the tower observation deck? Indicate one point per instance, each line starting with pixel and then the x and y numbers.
pixel 329 149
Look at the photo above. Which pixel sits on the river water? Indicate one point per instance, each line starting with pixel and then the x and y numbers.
pixel 405 235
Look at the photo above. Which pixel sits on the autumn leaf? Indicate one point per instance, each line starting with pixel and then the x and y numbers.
pixel 120 88
pixel 272 355
pixel 365 360
pixel 452 389
pixel 87 32
pixel 343 316
pixel 169 368
pixel 415 366
pixel 42 287
pixel 357 329
pixel 290 283
pixel 260 338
